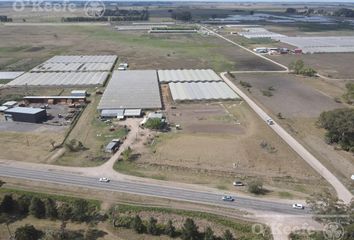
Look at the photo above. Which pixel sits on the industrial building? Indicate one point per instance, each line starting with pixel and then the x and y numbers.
pixel 201 91
pixel 25 114
pixel 60 79
pixel 135 89
pixel 188 75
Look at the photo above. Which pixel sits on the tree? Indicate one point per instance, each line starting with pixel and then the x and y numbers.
pixel 255 187
pixel 137 225
pixel 7 204
pixel 127 154
pixel 27 232
pixel 23 203
pixel 154 123
pixel 227 235
pixel 80 210
pixel 209 234
pixel 189 230
pixel 291 10
pixel 64 212
pixel 1 183
pixel 50 209
pixel 181 15
pixel 151 227
pixel 297 66
pixel 37 208
pixel 280 115
pixel 339 124
pixel 170 230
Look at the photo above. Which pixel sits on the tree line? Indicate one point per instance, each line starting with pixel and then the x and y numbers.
pixel 189 230
pixel 339 124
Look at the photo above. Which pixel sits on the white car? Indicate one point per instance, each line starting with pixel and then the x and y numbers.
pixel 298 206
pixel 228 198
pixel 270 121
pixel 238 184
pixel 103 179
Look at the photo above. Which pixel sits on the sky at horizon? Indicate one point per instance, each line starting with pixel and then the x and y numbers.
pixel 260 1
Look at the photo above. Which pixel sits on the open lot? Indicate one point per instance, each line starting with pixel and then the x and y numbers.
pixel 218 143
pixel 300 101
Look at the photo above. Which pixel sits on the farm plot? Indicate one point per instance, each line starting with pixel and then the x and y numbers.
pixel 288 94
pixel 296 103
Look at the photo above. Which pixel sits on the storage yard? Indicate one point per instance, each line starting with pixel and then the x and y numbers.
pixel 202 91
pixel 132 89
pixel 185 75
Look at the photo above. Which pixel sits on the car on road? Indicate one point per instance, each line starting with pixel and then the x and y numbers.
pixel 238 184
pixel 270 121
pixel 227 198
pixel 298 206
pixel 103 179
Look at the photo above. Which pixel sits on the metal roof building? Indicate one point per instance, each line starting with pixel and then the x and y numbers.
pixel 135 89
pixel 202 91
pixel 25 114
pixel 188 75
pixel 60 79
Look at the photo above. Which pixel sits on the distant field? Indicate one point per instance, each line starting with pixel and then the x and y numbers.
pixel 28 46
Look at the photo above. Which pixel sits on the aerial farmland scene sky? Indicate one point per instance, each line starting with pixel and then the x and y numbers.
pixel 176 120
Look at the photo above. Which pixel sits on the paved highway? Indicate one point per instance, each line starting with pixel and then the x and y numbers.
pixel 242 203
pixel 342 192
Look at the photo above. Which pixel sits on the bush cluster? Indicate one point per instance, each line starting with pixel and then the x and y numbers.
pixel 189 230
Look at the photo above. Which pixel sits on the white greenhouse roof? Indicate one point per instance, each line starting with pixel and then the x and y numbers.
pixel 60 79
pixel 10 75
pixel 83 59
pixel 321 44
pixel 72 67
pixel 201 91
pixel 188 75
pixel 132 89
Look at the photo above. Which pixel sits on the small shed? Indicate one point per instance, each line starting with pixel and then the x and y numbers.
pixel 10 104
pixel 3 108
pixel 132 112
pixel 112 146
pixel 26 114
pixel 112 113
pixel 79 93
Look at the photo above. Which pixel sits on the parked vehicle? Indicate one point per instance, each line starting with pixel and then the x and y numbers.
pixel 238 184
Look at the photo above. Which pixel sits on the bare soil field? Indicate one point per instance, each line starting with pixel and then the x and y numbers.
pixel 333 65
pixel 300 101
pixel 291 95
